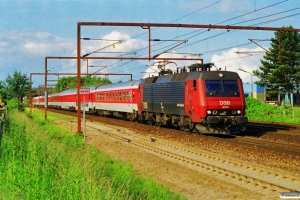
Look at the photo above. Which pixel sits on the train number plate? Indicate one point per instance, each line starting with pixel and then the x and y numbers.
pixel 224 103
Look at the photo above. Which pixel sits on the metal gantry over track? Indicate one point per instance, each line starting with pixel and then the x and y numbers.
pixel 148 26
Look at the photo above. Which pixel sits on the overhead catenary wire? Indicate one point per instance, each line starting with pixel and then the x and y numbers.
pixel 182 17
pixel 220 33
pixel 226 32
pixel 203 32
pixel 219 22
pixel 171 22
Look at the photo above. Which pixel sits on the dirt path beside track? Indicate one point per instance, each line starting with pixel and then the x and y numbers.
pixel 182 178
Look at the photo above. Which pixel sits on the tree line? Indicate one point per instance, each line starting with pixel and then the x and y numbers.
pixel 16 88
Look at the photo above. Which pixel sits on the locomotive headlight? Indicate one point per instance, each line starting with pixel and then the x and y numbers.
pixel 234 111
pixel 221 75
pixel 209 112
pixel 238 112
pixel 215 112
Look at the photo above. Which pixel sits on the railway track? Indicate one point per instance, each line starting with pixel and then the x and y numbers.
pixel 269 127
pixel 248 175
pixel 286 149
pixel 258 178
pixel 278 147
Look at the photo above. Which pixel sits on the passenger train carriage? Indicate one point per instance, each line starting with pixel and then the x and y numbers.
pixel 200 100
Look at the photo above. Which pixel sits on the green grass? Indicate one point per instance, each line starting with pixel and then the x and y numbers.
pixel 39 160
pixel 257 110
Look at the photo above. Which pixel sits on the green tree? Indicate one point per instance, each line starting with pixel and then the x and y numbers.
pixel 17 86
pixel 280 66
pixel 3 92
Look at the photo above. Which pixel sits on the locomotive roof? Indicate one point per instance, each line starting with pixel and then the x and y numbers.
pixel 191 76
pixel 213 75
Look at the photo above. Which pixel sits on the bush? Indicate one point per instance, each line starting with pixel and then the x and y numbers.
pixel 257 110
pixel 15 104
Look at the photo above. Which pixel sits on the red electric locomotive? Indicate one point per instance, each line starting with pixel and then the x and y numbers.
pixel 199 100
pixel 202 100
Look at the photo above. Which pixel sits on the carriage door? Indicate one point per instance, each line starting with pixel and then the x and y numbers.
pixel 188 100
pixel 140 99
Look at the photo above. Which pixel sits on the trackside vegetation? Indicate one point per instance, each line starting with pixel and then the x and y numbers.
pixel 257 110
pixel 39 160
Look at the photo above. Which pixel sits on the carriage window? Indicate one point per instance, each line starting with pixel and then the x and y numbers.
pixel 127 95
pixel 194 85
pixel 123 96
pixel 130 95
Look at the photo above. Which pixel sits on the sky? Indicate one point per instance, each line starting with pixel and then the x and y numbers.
pixel 31 30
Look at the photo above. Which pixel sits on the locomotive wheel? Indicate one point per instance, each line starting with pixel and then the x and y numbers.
pixel 158 124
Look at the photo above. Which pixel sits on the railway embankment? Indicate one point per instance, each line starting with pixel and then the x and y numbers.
pixel 40 160
pixel 265 163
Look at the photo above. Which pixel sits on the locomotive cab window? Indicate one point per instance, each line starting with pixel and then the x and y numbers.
pixel 230 86
pixel 222 88
pixel 213 86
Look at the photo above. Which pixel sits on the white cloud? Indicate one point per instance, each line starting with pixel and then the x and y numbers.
pixel 107 49
pixel 233 61
pixel 127 44
pixel 26 51
pixel 32 44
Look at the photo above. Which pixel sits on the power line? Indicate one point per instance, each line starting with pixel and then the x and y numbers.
pixel 206 31
pixel 266 16
pixel 183 16
pixel 277 19
pixel 217 23
pixel 197 30
pixel 253 11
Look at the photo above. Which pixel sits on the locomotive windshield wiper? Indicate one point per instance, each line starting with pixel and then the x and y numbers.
pixel 230 91
pixel 217 90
